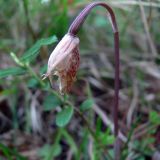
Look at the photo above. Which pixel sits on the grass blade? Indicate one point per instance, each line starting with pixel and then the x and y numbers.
pixel 33 52
pixel 11 71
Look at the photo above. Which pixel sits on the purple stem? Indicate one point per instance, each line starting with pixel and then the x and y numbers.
pixel 74 28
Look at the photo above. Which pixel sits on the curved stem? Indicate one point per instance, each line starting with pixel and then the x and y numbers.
pixel 77 23
pixel 74 28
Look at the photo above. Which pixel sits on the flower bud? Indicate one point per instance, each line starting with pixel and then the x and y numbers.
pixel 64 62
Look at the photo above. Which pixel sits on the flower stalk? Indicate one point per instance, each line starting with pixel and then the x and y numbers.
pixel 73 30
pixel 75 27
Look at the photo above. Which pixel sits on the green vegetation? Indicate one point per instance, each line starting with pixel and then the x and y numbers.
pixel 38 123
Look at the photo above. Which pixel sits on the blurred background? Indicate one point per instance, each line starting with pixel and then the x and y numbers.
pixel 34 121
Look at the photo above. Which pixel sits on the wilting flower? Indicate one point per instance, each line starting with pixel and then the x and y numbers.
pixel 64 62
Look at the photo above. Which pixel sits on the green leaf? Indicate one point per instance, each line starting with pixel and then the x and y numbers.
pixel 63 117
pixel 10 153
pixel 45 151
pixel 16 59
pixel 51 102
pixel 32 83
pixel 56 150
pixel 70 140
pixel 11 71
pixel 32 53
pixel 154 117
pixel 87 104
pixel 109 139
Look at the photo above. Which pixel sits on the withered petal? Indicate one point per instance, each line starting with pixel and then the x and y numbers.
pixel 64 62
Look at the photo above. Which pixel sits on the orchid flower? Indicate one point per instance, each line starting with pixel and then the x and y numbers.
pixel 64 62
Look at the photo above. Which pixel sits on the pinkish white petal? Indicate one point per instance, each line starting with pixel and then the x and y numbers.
pixel 64 62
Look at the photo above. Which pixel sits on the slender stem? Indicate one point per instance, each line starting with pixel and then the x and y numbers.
pixel 77 23
pixel 30 29
pixel 116 83
pixel 74 28
pixel 34 74
pixel 53 147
